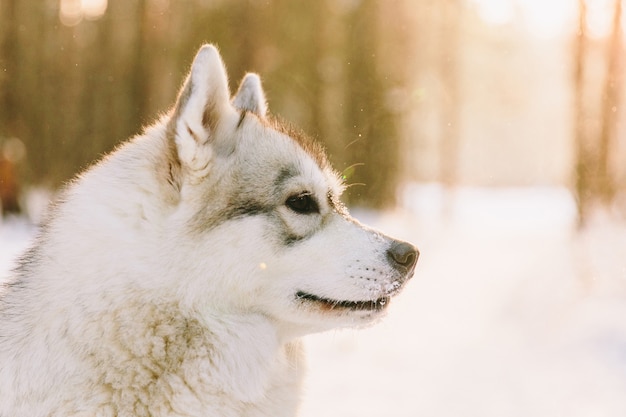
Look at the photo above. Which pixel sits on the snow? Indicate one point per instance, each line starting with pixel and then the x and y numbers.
pixel 511 313
pixel 16 234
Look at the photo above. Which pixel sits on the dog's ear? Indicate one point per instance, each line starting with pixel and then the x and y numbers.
pixel 250 96
pixel 202 104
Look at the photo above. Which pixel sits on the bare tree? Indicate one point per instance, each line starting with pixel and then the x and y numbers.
pixel 610 104
pixel 8 57
pixel 584 161
pixel 370 125
pixel 73 89
pixel 450 110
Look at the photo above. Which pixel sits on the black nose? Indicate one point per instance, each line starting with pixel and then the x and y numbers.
pixel 403 256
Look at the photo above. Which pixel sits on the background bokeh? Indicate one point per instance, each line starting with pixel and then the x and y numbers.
pixel 488 132
pixel 469 92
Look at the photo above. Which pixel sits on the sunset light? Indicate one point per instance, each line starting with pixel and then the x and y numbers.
pixel 546 19
pixel 72 12
pixel 167 229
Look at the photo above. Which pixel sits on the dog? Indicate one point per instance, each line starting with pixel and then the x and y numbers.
pixel 177 275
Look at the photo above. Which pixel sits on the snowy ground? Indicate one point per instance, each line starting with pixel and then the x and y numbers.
pixel 511 313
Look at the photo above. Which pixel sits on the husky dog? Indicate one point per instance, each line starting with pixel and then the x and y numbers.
pixel 176 276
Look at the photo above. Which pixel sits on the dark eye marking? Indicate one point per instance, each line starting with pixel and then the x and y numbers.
pixel 302 203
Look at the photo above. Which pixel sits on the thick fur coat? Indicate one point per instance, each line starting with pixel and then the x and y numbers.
pixel 176 276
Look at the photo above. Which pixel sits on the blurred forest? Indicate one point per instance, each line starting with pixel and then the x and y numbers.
pixel 397 90
pixel 76 82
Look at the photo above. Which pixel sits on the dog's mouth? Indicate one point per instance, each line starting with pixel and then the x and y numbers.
pixel 328 304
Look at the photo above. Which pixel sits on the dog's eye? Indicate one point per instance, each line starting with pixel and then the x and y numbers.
pixel 302 203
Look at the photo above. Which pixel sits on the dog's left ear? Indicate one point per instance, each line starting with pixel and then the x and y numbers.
pixel 203 104
pixel 250 96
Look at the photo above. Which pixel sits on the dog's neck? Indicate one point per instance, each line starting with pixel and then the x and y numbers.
pixel 254 358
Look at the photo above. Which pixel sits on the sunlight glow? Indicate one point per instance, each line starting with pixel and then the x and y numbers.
pixel 72 12
pixel 599 14
pixel 94 9
pixel 495 12
pixel 546 19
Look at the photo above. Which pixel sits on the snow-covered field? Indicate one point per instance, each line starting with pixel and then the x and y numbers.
pixel 511 313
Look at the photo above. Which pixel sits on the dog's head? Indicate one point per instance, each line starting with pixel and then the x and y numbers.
pixel 258 209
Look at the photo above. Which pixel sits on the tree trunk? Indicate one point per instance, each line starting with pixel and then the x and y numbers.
pixel 370 125
pixel 330 114
pixel 584 162
pixel 610 105
pixel 451 106
pixel 139 67
pixel 8 58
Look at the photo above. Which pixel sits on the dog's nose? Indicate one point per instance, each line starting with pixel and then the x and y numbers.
pixel 403 255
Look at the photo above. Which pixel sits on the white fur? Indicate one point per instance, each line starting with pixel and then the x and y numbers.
pixel 165 281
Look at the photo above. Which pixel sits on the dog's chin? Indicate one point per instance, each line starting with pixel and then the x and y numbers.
pixel 328 305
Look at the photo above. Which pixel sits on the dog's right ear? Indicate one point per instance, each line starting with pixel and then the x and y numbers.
pixel 250 96
pixel 202 104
